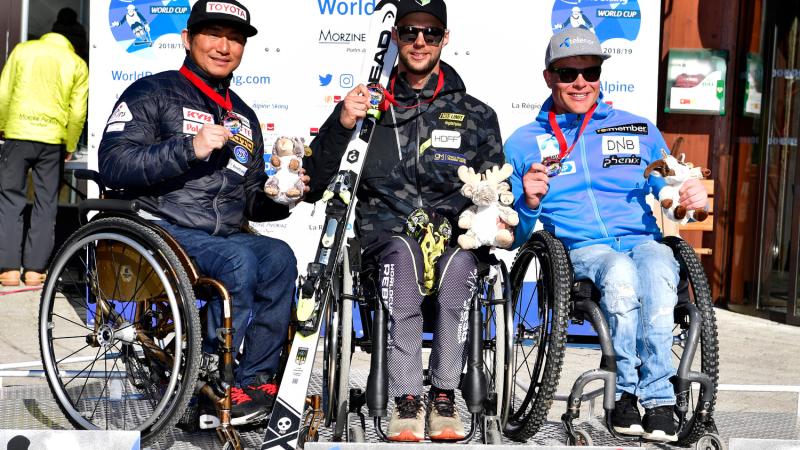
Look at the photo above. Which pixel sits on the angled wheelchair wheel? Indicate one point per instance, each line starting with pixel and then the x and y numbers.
pixel 119 330
pixel 540 278
pixel 694 290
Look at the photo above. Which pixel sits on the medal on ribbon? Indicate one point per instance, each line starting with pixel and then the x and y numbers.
pixel 553 166
pixel 376 101
pixel 232 122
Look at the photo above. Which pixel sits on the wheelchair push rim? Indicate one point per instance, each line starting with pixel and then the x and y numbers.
pixel 117 348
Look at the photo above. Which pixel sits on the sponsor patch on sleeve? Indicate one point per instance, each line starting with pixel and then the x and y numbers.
pixel 621 160
pixel 446 139
pixel 548 145
pixel 243 141
pixel 630 128
pixel 115 127
pixel 236 167
pixel 452 119
pixel 443 157
pixel 567 168
pixel 121 114
pixel 615 145
pixel 190 127
pixel 241 154
pixel 197 116
pixel 246 132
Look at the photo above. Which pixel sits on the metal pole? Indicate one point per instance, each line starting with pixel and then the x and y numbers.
pixel 23 23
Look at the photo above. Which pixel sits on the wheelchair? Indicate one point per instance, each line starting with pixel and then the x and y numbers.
pixel 496 331
pixel 695 345
pixel 119 327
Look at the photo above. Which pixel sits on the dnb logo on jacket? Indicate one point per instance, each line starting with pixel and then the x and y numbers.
pixel 148 27
pixel 608 20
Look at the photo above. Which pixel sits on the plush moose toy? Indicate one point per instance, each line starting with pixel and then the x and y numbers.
pixel 284 185
pixel 675 172
pixel 491 196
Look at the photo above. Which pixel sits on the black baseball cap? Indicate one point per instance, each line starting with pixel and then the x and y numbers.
pixel 228 12
pixel 436 8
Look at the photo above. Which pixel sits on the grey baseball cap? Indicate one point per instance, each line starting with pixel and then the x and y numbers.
pixel 573 42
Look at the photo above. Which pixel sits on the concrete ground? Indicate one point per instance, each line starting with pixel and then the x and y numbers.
pixel 753 351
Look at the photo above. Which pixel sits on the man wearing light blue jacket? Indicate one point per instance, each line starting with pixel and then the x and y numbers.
pixel 578 168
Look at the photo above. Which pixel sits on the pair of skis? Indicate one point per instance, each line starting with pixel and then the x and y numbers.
pixel 315 293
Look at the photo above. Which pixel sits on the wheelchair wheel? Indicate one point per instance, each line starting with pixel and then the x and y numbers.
pixel 119 330
pixel 541 278
pixel 498 338
pixel 706 360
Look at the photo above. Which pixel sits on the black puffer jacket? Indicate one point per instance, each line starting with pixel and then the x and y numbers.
pixel 147 150
pixel 435 138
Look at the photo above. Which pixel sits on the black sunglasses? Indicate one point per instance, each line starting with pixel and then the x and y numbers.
pixel 407 34
pixel 570 74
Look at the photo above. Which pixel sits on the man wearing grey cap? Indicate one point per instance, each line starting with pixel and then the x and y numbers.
pixel 191 151
pixel 429 129
pixel 578 168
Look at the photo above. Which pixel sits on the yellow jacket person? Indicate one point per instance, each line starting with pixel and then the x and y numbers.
pixel 43 92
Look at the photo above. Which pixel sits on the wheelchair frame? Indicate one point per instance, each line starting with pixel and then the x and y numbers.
pixel 695 327
pixel 484 382
pixel 117 219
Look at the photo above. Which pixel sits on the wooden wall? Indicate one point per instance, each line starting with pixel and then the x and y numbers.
pixel 709 140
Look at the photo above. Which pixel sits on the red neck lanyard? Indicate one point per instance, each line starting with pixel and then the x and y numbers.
pixel 562 141
pixel 389 93
pixel 225 103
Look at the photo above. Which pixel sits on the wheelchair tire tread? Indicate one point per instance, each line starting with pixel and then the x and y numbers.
pixel 709 343
pixel 147 237
pixel 548 248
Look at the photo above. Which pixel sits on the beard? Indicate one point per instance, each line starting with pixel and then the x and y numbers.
pixel 425 70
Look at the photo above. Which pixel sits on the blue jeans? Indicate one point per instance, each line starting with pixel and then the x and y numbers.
pixel 260 274
pixel 638 298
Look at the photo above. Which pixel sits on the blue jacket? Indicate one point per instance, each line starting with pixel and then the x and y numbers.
pixel 599 196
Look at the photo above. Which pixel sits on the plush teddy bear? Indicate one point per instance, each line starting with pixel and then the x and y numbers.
pixel 284 185
pixel 675 172
pixel 491 196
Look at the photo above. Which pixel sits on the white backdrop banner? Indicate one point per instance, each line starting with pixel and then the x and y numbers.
pixel 306 54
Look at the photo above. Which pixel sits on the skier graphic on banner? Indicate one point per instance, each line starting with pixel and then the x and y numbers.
pixel 576 20
pixel 607 19
pixel 149 28
pixel 138 24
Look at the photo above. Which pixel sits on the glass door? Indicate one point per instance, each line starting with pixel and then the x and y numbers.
pixel 777 286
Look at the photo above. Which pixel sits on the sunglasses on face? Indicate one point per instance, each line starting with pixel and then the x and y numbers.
pixel 407 34
pixel 570 74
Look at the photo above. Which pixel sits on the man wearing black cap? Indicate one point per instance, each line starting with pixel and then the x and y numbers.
pixel 578 168
pixel 409 179
pixel 191 150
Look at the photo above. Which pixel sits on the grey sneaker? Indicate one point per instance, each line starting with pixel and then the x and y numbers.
pixel 444 424
pixel 407 423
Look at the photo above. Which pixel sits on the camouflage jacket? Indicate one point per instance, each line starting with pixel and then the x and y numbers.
pixel 414 155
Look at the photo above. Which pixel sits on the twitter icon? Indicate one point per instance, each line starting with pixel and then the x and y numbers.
pixel 325 80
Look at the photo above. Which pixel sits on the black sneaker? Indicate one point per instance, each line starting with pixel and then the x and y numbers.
pixel 265 388
pixel 659 424
pixel 244 408
pixel 625 417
